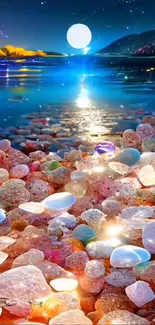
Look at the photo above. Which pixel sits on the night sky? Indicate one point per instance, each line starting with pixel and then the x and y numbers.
pixel 42 24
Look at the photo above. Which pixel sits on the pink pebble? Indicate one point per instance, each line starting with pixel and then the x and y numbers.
pixel 5 145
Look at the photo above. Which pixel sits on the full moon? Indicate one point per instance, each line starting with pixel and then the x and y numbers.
pixel 79 36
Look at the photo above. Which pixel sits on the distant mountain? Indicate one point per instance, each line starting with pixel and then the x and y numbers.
pixel 137 44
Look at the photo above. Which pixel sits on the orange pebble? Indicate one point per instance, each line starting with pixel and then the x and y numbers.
pixel 76 244
pixel 95 316
pixel 88 304
pixel 19 224
pixel 7 318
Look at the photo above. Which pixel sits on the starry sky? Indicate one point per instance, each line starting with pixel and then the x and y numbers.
pixel 43 24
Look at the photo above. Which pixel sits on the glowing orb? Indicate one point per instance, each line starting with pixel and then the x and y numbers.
pixel 79 36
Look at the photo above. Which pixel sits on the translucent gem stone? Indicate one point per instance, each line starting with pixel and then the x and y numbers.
pixel 83 233
pixel 64 284
pixel 111 207
pixel 148 237
pixel 99 249
pixel 128 256
pixel 120 278
pixel 3 257
pixel 119 168
pixel 90 285
pixel 137 212
pixel 70 300
pixel 147 158
pixel 50 270
pixel 105 147
pixel 60 176
pixel 32 207
pixel 129 157
pixel 77 188
pixel 2 215
pixel 64 220
pixel 59 201
pixel 23 284
pixel 122 317
pixel 78 175
pixel 76 317
pixel 32 257
pixel 94 269
pixel 140 293
pixel 145 271
pixel 6 242
pixel 146 175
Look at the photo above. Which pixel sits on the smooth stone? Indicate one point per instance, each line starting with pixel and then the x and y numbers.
pixel 146 176
pixel 93 217
pixel 141 211
pixel 145 131
pixel 148 145
pixel 19 171
pixel 121 278
pixel 119 168
pixel 3 257
pixel 6 242
pixel 140 293
pixel 62 152
pixel 77 175
pixel 147 158
pixel 4 176
pixel 23 284
pixel 77 260
pixel 5 145
pixel 83 233
pixel 99 249
pixel 2 215
pixel 122 317
pixel 64 220
pixel 32 207
pixel 148 237
pixel 128 256
pixel 70 300
pixel 129 157
pixel 53 165
pixel 74 317
pixel 105 147
pixel 94 269
pixel 64 284
pixel 62 201
pixel 32 257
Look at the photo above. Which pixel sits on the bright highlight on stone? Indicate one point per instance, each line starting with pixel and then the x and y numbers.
pixel 79 36
pixel 64 284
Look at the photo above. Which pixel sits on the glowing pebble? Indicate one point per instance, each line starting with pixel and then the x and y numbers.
pixel 119 168
pixel 59 201
pixel 77 175
pixel 105 147
pixel 75 317
pixel 140 293
pixel 6 242
pixel 79 36
pixel 3 257
pixel 83 233
pixel 146 175
pixel 32 207
pixel 128 256
pixel 64 284
pixel 2 215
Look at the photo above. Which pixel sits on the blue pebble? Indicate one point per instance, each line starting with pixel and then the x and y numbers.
pixel 129 157
pixel 83 233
